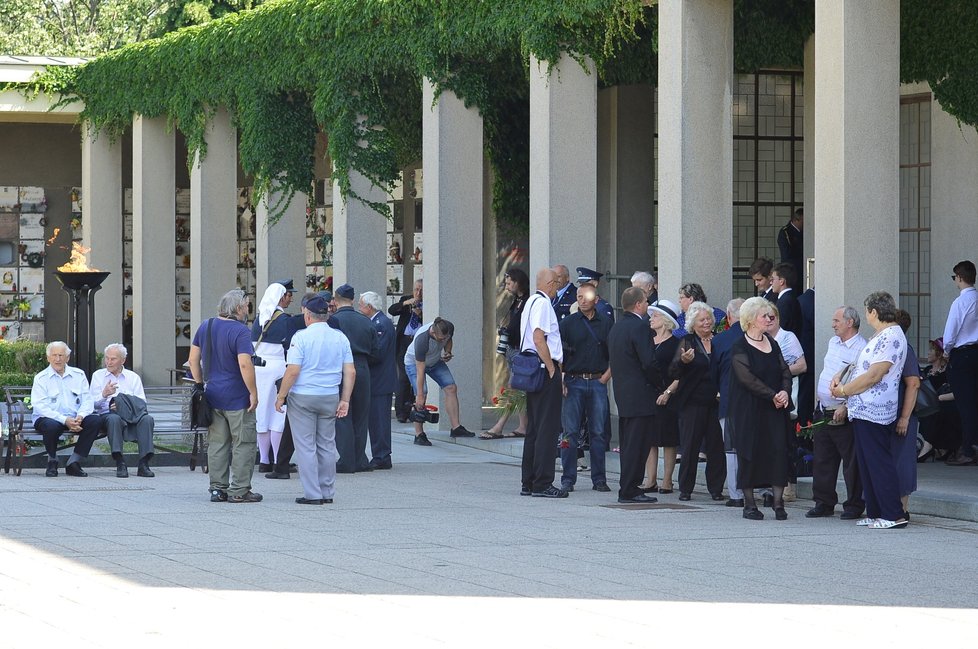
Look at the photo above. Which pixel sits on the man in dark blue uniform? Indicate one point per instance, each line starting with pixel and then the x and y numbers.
pixel 593 277
pixel 383 381
pixel 566 295
pixel 351 431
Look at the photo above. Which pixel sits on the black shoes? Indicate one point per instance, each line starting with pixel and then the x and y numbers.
pixel 275 475
pixel 716 497
pixel 422 440
pixel 381 465
pixel 309 501
pixel 768 500
pixel 219 496
pixel 264 467
pixel 550 492
pixel 567 487
pixel 820 511
pixel 685 496
pixel 850 516
pixel 525 491
pixel 601 486
pixel 961 459
pixel 654 489
pixel 247 497
pixel 735 502
pixel 121 470
pixel 366 468
pixel 753 514
pixel 74 469
pixel 780 514
pixel 462 431
pixel 143 470
pixel 641 498
pixel 52 471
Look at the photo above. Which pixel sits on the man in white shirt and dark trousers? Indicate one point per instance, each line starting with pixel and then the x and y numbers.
pixel 961 347
pixel 834 442
pixel 63 405
pixel 108 383
pixel 539 331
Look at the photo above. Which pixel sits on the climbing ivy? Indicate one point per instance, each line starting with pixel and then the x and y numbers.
pixel 354 68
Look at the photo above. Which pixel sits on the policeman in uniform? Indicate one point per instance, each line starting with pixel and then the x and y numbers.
pixel 592 277
pixel 566 296
pixel 351 432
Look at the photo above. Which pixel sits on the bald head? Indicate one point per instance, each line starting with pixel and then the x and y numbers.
pixel 547 281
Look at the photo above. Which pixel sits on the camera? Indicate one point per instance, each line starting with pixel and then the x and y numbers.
pixel 258 360
pixel 424 415
pixel 503 340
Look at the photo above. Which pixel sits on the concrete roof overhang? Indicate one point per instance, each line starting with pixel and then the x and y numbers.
pixel 15 107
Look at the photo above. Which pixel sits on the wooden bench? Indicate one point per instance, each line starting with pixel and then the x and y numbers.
pixel 169 406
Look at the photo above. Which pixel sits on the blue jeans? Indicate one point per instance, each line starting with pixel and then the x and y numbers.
pixel 590 397
pixel 438 372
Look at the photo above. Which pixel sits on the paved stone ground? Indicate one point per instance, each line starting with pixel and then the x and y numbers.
pixel 442 552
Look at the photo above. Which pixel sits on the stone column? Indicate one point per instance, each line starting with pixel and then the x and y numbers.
pixel 153 234
pixel 102 229
pixel 453 233
pixel 563 164
pixel 359 238
pixel 808 133
pixel 857 154
pixel 213 220
pixel 281 248
pixel 696 147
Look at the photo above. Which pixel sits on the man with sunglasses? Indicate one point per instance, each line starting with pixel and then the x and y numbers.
pixel 961 348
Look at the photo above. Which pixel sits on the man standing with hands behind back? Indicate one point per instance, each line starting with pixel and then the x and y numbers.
pixel 539 332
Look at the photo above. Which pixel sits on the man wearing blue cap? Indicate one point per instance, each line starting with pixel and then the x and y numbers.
pixel 351 432
pixel 587 276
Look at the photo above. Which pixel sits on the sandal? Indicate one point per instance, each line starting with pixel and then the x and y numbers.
pixel 516 433
pixel 883 524
pixel 488 434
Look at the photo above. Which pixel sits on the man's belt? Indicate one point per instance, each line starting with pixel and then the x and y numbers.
pixel 590 376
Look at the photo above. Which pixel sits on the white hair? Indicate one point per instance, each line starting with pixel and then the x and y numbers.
pixel 643 277
pixel 372 300
pixel 57 343
pixel 693 312
pixel 118 347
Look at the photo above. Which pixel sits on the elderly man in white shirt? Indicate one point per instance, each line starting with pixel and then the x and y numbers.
pixel 63 405
pixel 834 442
pixel 109 383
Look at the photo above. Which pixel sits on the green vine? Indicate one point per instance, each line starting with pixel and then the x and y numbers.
pixel 354 69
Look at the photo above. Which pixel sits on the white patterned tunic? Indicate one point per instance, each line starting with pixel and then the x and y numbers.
pixel 881 402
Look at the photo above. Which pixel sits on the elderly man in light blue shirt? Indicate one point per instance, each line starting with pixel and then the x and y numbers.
pixel 63 405
pixel 319 361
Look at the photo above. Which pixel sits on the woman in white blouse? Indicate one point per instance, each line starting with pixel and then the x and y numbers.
pixel 872 399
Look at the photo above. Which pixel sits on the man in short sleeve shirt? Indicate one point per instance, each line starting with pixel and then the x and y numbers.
pixel 961 347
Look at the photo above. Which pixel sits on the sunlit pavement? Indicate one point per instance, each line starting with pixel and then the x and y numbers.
pixel 442 551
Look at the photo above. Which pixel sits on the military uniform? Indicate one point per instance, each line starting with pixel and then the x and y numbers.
pixel 351 431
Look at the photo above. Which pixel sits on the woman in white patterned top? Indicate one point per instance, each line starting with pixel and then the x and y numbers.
pixel 873 400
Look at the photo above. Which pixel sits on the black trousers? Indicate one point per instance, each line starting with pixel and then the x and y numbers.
pixel 806 396
pixel 962 374
pixel 285 450
pixel 543 411
pixel 351 431
pixel 835 444
pixel 636 442
pixel 379 427
pixel 404 392
pixel 699 425
pixel 52 431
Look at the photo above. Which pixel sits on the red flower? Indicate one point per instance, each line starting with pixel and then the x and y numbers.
pixel 495 401
pixel 502 390
pixel 798 427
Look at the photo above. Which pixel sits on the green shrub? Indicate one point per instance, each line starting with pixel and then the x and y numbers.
pixel 16 378
pixel 22 356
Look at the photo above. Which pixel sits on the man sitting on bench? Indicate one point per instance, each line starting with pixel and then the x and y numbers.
pixel 62 405
pixel 126 423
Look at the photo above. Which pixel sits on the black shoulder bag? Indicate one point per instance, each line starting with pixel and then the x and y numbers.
pixel 527 369
pixel 201 413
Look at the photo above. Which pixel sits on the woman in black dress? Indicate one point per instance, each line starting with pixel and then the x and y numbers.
pixel 518 285
pixel 663 321
pixel 696 403
pixel 760 384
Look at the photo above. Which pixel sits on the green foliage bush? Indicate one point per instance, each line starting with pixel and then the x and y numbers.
pixel 22 357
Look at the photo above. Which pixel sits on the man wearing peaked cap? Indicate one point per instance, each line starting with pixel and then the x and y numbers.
pixel 587 276
pixel 287 283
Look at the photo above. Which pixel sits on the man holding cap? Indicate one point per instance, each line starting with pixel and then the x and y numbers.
pixel 351 432
pixel 319 358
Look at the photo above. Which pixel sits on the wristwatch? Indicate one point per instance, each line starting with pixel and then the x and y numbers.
pixel 668 391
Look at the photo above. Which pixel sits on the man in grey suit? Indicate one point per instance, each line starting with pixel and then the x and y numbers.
pixel 383 381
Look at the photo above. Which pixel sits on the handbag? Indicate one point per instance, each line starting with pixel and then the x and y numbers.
pixel 201 413
pixel 847 373
pixel 927 402
pixel 527 371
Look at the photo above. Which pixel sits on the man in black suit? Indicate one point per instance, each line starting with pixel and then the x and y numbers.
pixel 351 431
pixel 760 272
pixel 782 279
pixel 635 374
pixel 791 244
pixel 408 312
pixel 383 380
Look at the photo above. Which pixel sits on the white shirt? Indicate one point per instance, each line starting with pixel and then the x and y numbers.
pixel 538 313
pixel 839 354
pixel 881 402
pixel 128 382
pixel 59 396
pixel 962 320
pixel 790 347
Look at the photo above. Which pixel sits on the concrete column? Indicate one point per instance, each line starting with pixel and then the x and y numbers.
pixel 954 207
pixel 857 152
pixel 153 234
pixel 808 133
pixel 280 248
pixel 696 146
pixel 102 229
pixel 213 220
pixel 563 164
pixel 626 127
pixel 359 238
pixel 453 229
